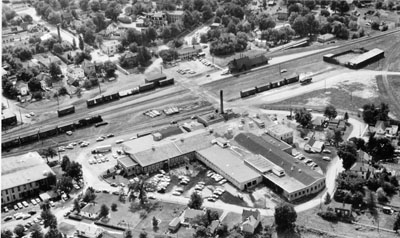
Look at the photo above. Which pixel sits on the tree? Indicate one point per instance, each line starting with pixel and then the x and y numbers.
pixel 23 53
pixel 207 12
pixel 95 5
pixel 143 234
pixel 380 148
pixel 330 112
pixel 104 211
pixel 24 74
pixel 266 22
pixel 53 233
pixel 109 68
pixel 285 216
pixel 396 224
pixel 303 117
pixel 222 230
pixel 155 223
pixel 89 196
pixel 77 207
pixel 49 220
pixel 19 230
pixel 84 5
pixel 65 163
pixel 346 116
pixel 196 201
pixel 54 18
pixel 327 198
pixel 89 36
pixel 348 153
pixel 64 184
pixel 143 55
pixel 337 137
pixel 168 55
pixel 62 91
pixel 202 231
pixel 34 85
pixel 114 207
pixel 6 234
pixel 151 33
pixel 113 10
pixel 64 3
pixel 81 44
pixel 54 70
pixel 74 170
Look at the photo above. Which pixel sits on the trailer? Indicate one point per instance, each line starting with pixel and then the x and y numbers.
pixel 66 111
pixel 248 92
pixel 142 134
pixel 146 87
pixel 102 149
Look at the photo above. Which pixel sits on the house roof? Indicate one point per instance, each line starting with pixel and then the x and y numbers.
pixel 87 63
pixel 192 213
pixel 359 167
pixel 126 161
pixel 177 12
pixel 193 48
pixel 248 213
pixel 380 125
pixel 7 113
pixel 213 226
pixel 91 208
pixel 23 169
pixel 258 145
pixel 252 221
pixel 318 121
pixel 175 222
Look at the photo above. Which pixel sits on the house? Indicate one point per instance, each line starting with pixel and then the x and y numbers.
pixel 362 169
pixel 8 118
pixel 318 123
pixel 247 62
pixel 88 68
pixel 250 220
pixel 392 131
pixel 189 52
pixel 325 38
pixel 282 15
pixel 90 211
pixel 88 230
pixel 189 214
pixel 174 224
pixel 173 16
pixel 314 146
pixel 110 47
pixel 213 226
pixel 157 18
pixel 130 58
pixel 74 73
pixel 111 29
pixel 343 210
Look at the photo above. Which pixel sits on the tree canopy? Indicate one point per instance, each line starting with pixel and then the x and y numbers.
pixel 348 153
pixel 330 112
pixel 196 201
pixel 303 117
pixel 285 216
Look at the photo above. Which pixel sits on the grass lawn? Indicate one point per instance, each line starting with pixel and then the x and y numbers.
pixel 66 228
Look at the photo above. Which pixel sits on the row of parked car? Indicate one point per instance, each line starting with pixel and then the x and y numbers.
pixel 218 178
pixel 186 71
pixel 98 159
pixel 216 194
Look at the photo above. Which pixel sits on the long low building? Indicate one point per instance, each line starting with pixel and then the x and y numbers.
pixel 298 179
pixel 230 166
pixel 366 58
pixel 23 176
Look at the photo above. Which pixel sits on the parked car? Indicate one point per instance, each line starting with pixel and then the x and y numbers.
pixel 5 209
pixel 326 151
pixel 100 138
pixel 20 205
pixel 33 201
pixel 8 218
pixel 32 212
pixel 326 158
pixel 119 141
pixel 68 133
pixel 52 204
pixel 110 135
pixel 15 207
pixel 37 200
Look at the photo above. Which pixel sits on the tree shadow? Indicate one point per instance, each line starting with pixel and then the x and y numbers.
pixel 288 233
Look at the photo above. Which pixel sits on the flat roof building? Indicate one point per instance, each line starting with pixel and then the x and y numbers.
pixel 23 176
pixel 366 58
pixel 281 132
pixel 230 166
pixel 299 180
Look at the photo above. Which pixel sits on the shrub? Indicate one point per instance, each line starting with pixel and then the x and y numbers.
pixel 114 207
pixel 388 188
pixel 382 198
pixel 328 215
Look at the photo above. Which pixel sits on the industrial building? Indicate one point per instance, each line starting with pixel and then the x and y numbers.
pixel 23 176
pixel 189 52
pixel 155 78
pixel 247 63
pixel 281 132
pixel 228 164
pixel 280 170
pixel 366 58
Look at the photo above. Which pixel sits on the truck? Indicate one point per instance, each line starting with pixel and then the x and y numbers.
pixel 102 149
pixel 278 171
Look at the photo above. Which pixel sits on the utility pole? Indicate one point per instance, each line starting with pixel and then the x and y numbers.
pixel 20 115
pixel 99 86
pixel 161 68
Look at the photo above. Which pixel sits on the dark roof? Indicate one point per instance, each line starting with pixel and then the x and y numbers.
pixel 170 131
pixel 257 145
pixel 248 61
pixel 345 206
pixel 247 213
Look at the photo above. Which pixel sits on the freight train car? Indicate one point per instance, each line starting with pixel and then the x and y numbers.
pixel 13 143
pixel 248 92
pixel 66 111
pixel 66 127
pixel 135 90
pixel 47 132
pixel 125 93
pixel 146 87
pixel 29 138
pixel 263 88
pixel 166 82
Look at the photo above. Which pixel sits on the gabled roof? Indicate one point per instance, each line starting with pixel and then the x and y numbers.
pixel 175 222
pixel 213 226
pixel 87 63
pixel 250 213
pixel 359 167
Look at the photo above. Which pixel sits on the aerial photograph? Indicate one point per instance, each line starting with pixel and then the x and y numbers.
pixel 200 118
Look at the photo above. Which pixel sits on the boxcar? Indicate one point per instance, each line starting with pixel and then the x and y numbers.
pixel 13 143
pixel 29 138
pixel 135 90
pixel 125 93
pixel 95 119
pixel 65 128
pixel 274 85
pixel 146 87
pixel 248 92
pixel 143 134
pixel 91 102
pixel 66 111
pixel 47 132
pixel 166 82
pixel 263 88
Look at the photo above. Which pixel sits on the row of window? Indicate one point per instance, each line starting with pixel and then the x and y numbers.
pixel 316 187
pixel 24 187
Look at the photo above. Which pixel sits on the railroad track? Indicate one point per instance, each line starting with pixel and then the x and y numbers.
pixel 100 110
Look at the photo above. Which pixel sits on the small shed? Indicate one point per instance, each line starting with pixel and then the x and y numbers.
pixel 174 224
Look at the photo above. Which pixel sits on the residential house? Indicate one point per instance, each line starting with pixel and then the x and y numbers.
pixel 282 15
pixel 174 224
pixel 130 58
pixel 343 210
pixel 8 118
pixel 174 16
pixel 46 59
pixel 90 211
pixel 213 226
pixel 189 214
pixel 189 52
pixel 88 68
pixel 325 38
pixel 281 132
pixel 157 18
pixel 88 230
pixel 362 169
pixel 74 73
pixel 44 78
pixel 392 130
pixel 111 29
pixel 110 47
pixel 318 123
pixel 250 220
pixel 314 146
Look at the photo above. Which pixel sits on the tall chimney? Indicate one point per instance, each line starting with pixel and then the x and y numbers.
pixel 59 34
pixel 221 98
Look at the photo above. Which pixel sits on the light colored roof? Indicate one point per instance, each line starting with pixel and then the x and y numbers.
pixel 289 184
pixel 126 161
pixel 326 36
pixel 23 169
pixel 110 42
pixel 260 163
pixel 175 222
pixel 279 129
pixel 367 55
pixel 189 49
pixel 7 114
pixel 250 213
pixel 177 12
pixel 230 163
pixel 156 154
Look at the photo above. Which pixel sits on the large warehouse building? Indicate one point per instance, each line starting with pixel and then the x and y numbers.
pixel 23 176
pixel 366 58
pixel 280 170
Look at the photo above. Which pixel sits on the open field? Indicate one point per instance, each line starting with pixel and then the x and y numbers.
pixel 394 82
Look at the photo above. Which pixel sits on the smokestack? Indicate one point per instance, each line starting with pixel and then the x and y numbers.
pixel 59 34
pixel 221 98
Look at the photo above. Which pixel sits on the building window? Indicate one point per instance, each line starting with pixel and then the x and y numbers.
pixel 18 189
pixel 14 196
pixel 12 190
